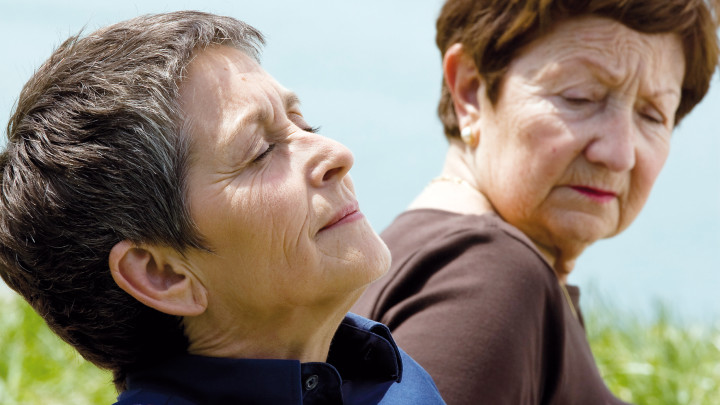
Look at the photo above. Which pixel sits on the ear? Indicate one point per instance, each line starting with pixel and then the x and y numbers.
pixel 157 277
pixel 464 83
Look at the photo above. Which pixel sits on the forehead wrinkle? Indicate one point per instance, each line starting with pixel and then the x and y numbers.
pixel 616 55
pixel 246 111
pixel 257 114
pixel 614 61
pixel 246 116
pixel 668 59
pixel 263 113
pixel 239 140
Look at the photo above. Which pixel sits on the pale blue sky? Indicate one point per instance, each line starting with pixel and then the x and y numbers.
pixel 369 74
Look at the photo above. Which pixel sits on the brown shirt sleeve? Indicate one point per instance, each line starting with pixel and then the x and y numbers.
pixel 475 304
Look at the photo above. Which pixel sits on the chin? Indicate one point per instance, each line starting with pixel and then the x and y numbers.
pixel 580 236
pixel 363 259
pixel 384 261
pixel 378 254
pixel 377 257
pixel 585 229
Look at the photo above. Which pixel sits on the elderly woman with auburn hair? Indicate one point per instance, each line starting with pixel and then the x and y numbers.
pixel 559 116
pixel 170 213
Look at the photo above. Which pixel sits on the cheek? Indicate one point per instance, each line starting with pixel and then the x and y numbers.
pixel 535 156
pixel 279 210
pixel 538 152
pixel 643 177
pixel 283 218
pixel 647 169
pixel 277 195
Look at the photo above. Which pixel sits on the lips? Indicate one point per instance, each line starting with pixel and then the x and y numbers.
pixel 349 213
pixel 595 193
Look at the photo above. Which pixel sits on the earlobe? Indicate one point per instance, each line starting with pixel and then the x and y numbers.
pixel 469 137
pixel 156 277
pixel 464 83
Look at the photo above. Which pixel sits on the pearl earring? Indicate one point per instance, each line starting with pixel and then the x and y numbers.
pixel 466 135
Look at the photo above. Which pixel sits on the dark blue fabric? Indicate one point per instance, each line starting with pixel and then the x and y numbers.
pixel 364 367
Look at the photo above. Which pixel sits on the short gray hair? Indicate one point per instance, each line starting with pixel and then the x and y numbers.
pixel 96 155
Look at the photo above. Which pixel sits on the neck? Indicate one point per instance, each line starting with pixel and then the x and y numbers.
pixel 456 189
pixel 561 264
pixel 297 333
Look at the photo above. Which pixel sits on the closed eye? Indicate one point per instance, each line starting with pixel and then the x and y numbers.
pixel 652 115
pixel 652 118
pixel 584 96
pixel 577 101
pixel 263 155
pixel 298 119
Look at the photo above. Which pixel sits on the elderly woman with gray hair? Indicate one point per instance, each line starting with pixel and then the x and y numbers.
pixel 169 212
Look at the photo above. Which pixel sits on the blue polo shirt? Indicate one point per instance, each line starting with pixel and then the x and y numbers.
pixel 364 366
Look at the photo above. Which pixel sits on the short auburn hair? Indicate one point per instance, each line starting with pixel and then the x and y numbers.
pixel 493 32
pixel 97 153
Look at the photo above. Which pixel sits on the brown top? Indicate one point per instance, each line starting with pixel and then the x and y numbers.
pixel 473 301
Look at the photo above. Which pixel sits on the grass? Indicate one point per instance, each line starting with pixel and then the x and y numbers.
pixel 660 361
pixel 36 367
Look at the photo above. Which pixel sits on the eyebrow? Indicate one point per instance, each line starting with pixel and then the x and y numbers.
pixel 290 100
pixel 611 77
pixel 258 115
pixel 666 92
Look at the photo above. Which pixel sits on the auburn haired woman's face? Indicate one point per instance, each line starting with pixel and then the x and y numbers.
pixel 570 151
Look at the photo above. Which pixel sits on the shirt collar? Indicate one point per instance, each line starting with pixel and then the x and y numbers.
pixel 361 350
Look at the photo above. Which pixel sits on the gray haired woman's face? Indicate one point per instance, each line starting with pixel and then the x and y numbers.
pixel 581 130
pixel 271 197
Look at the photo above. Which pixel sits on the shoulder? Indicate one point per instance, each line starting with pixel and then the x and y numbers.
pixel 434 244
pixel 416 387
pixel 410 383
pixel 443 262
pixel 420 230
pixel 470 287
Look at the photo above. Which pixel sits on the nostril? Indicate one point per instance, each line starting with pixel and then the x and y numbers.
pixel 331 173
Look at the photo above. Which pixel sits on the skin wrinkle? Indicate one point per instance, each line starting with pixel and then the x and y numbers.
pixel 608 75
pixel 263 221
pixel 575 109
pixel 615 74
pixel 124 183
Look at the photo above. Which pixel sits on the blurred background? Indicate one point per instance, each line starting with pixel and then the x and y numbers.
pixel 369 74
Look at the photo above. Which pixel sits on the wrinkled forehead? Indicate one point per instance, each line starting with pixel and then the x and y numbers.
pixel 220 75
pixel 225 89
pixel 618 51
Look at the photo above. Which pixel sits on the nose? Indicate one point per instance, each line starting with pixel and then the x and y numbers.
pixel 329 160
pixel 613 144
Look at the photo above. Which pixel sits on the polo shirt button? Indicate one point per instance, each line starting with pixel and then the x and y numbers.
pixel 311 382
